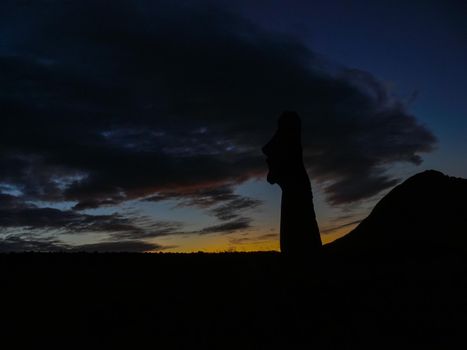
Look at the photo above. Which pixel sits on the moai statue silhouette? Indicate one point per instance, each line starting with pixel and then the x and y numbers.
pixel 299 232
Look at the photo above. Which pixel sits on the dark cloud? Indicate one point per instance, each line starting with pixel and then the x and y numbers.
pixel 8 202
pixel 121 233
pixel 133 246
pixel 18 216
pixel 348 189
pixel 104 103
pixel 19 244
pixel 150 229
pixel 268 236
pixel 200 197
pixel 254 239
pixel 238 224
pixel 233 208
pixel 221 201
pixel 334 228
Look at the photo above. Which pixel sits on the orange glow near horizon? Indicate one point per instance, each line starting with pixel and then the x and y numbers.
pixel 225 243
pixel 221 244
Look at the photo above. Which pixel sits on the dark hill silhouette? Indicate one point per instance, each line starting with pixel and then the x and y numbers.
pixel 424 217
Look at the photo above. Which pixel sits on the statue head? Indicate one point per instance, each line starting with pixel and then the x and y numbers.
pixel 284 150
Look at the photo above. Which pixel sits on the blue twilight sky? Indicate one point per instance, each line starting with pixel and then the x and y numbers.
pixel 138 126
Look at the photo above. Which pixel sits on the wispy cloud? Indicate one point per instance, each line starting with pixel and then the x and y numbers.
pixel 227 227
pixel 338 227
pixel 20 244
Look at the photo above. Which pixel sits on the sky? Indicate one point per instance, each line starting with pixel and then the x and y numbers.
pixel 138 126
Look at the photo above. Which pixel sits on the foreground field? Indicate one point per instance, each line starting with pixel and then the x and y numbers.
pixel 231 300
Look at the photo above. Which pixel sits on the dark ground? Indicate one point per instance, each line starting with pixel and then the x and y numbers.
pixel 231 300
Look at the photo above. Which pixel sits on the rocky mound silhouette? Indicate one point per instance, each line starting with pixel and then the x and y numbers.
pixel 424 217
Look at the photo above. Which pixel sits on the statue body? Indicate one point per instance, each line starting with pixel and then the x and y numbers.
pixel 299 232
